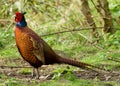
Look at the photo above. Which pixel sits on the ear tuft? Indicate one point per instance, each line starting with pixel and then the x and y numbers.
pixel 23 13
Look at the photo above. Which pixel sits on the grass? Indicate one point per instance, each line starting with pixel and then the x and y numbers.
pixel 81 50
pixel 9 53
pixel 62 81
pixel 72 44
pixel 72 48
pixel 78 82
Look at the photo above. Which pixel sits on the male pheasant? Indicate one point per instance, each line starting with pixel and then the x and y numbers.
pixel 35 50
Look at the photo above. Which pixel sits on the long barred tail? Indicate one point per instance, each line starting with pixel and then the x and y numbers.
pixel 80 64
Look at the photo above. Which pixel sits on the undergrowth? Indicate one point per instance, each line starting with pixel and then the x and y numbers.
pixel 73 44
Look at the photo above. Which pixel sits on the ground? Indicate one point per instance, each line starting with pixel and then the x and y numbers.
pixel 20 71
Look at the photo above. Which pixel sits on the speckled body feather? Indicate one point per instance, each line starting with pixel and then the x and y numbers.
pixel 26 47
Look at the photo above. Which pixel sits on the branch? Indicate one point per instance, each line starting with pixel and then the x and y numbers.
pixel 77 29
pixel 65 31
pixel 14 67
pixel 2 67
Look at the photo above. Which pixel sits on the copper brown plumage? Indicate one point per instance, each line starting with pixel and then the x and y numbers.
pixel 35 50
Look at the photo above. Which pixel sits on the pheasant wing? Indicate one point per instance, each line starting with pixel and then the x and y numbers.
pixel 38 50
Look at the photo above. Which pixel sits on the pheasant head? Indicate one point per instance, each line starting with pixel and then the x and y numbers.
pixel 20 19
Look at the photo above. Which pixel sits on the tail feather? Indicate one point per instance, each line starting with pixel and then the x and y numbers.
pixel 72 62
pixel 80 64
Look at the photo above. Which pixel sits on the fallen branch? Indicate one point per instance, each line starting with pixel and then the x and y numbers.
pixel 15 67
pixel 3 67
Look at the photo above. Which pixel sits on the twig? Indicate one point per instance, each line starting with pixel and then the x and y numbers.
pixel 77 29
pixel 65 31
pixel 94 4
pixel 14 67
pixel 2 67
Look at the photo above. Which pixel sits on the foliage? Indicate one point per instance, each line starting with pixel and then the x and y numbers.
pixel 62 82
pixel 7 43
pixel 17 82
pixel 113 41
pixel 64 72
pixel 48 16
pixel 115 7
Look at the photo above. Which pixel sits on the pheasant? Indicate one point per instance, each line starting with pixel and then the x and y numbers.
pixel 35 50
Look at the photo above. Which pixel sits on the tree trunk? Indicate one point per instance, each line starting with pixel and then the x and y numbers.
pixel 85 9
pixel 103 10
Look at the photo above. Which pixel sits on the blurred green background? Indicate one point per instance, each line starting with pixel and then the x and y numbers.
pixel 50 16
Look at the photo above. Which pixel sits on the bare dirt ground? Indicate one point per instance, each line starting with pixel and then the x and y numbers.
pixel 46 71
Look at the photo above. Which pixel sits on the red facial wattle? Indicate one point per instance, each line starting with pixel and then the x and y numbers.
pixel 18 16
